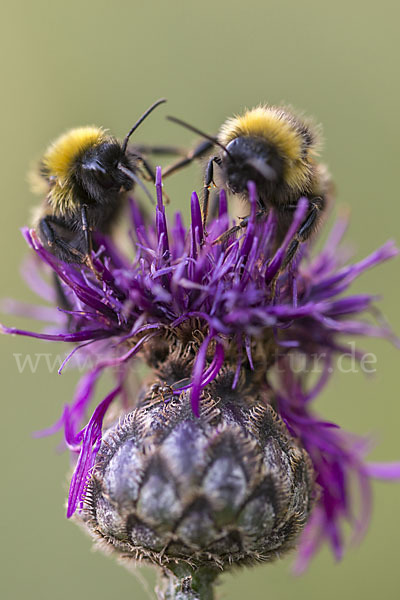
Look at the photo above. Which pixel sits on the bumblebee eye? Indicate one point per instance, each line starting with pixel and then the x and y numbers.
pixel 96 169
pixel 104 178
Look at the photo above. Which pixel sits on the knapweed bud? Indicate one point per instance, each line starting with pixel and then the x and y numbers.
pixel 229 487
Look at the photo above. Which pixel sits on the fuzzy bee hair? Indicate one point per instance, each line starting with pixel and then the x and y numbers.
pixel 296 139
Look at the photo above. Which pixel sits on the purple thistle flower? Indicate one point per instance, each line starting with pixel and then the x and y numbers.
pixel 250 313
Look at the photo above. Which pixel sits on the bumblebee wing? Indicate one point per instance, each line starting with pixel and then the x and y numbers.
pixel 38 179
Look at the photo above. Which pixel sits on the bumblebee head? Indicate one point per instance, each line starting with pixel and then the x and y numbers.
pixel 274 143
pixel 251 158
pixel 88 165
pixel 99 172
pixel 82 165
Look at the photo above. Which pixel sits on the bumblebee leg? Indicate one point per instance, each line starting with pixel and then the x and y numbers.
pixel 243 223
pixel 87 231
pixel 304 232
pixel 200 150
pixel 58 246
pixel 208 180
pixel 62 299
pixel 158 150
pixel 149 174
pixel 223 237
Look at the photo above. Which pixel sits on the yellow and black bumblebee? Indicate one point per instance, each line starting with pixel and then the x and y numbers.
pixel 85 175
pixel 276 149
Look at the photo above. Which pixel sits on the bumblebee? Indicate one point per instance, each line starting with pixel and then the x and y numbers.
pixel 85 174
pixel 277 150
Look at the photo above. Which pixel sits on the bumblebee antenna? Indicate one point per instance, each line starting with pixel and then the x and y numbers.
pixel 199 132
pixel 139 121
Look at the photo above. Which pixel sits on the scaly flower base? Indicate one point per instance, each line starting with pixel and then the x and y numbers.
pixel 230 487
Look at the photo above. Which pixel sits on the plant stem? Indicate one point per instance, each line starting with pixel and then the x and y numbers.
pixel 186 584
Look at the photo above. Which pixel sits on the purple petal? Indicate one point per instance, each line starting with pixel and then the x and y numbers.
pixel 90 441
pixel 390 471
pixel 197 375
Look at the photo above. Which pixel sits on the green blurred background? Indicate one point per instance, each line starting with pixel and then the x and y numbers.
pixel 76 62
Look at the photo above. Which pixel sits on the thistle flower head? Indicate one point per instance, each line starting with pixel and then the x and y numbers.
pixel 191 309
